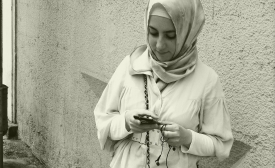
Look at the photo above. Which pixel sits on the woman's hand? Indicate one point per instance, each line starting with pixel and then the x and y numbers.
pixel 135 125
pixel 176 135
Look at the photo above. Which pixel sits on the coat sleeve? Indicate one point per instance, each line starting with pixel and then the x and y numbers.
pixel 214 137
pixel 110 122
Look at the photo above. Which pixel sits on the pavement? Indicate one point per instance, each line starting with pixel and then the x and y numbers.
pixel 16 154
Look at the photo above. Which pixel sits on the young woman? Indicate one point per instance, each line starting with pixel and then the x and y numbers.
pixel 163 107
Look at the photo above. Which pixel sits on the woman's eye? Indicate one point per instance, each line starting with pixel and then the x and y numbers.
pixel 171 36
pixel 153 33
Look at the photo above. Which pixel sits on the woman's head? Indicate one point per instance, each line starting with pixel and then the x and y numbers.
pixel 161 34
pixel 173 27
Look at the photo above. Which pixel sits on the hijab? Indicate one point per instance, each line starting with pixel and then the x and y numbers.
pixel 188 19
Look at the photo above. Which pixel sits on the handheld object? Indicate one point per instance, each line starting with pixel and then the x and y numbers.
pixel 145 119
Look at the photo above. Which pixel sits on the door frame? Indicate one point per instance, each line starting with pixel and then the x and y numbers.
pixel 14 63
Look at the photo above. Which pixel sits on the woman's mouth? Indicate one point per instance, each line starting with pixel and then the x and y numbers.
pixel 161 53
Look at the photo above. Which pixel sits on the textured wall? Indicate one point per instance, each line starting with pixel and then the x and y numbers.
pixel 68 50
pixel 238 41
pixel 59 42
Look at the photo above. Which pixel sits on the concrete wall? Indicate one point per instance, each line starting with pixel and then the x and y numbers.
pixel 68 50
pixel 238 41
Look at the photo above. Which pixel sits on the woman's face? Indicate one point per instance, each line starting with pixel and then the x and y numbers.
pixel 162 37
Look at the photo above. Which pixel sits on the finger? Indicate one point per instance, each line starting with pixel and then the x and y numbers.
pixel 143 127
pixel 169 134
pixel 172 127
pixel 149 126
pixel 146 127
pixel 147 113
pixel 135 121
pixel 137 128
pixel 166 123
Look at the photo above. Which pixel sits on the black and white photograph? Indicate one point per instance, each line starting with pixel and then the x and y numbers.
pixel 137 84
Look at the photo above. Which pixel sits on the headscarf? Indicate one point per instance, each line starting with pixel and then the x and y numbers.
pixel 159 10
pixel 188 19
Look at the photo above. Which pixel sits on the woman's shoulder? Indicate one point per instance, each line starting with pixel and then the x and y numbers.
pixel 205 71
pixel 137 52
pixel 122 69
pixel 131 57
pixel 124 63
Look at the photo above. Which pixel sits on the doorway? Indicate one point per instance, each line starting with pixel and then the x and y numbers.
pixel 9 65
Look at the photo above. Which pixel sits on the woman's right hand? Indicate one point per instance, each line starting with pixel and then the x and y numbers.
pixel 135 125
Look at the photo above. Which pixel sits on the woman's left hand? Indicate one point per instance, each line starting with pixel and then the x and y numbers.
pixel 176 135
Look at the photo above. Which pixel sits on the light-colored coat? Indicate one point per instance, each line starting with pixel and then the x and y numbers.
pixel 196 102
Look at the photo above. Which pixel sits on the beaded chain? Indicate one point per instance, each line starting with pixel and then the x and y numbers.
pixel 147 140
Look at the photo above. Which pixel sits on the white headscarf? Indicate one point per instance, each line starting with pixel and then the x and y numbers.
pixel 188 19
pixel 159 10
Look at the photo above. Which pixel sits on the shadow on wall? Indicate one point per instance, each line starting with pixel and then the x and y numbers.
pixel 96 85
pixel 238 150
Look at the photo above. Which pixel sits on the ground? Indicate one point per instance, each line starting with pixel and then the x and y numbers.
pixel 16 154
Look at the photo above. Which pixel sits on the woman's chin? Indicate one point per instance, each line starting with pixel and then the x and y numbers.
pixel 163 58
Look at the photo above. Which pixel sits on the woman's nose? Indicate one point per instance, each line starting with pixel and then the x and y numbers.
pixel 160 44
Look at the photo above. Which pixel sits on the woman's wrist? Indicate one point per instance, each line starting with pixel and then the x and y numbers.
pixel 187 139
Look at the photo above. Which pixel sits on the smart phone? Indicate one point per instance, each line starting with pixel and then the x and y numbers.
pixel 145 119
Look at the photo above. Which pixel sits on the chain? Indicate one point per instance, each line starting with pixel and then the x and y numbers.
pixel 147 140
